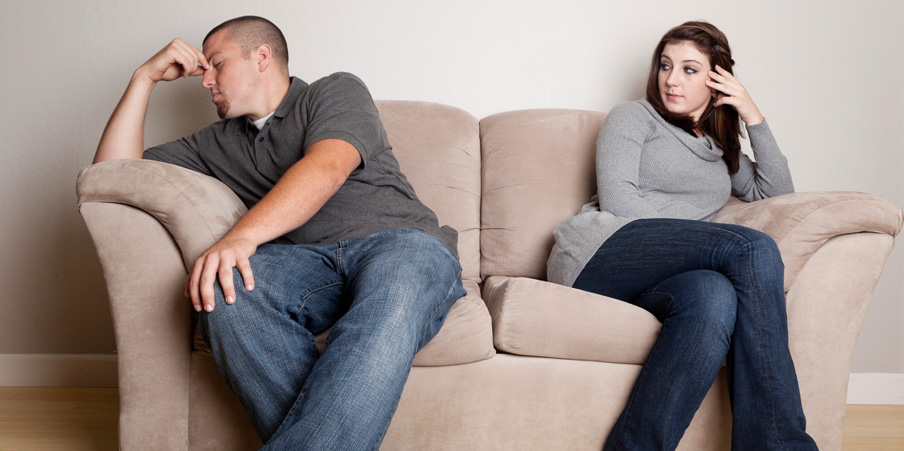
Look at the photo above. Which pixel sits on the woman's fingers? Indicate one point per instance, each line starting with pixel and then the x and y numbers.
pixel 729 91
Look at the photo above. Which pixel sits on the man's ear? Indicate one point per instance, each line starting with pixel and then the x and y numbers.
pixel 263 56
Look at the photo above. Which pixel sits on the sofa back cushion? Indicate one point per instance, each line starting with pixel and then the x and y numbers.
pixel 538 169
pixel 438 149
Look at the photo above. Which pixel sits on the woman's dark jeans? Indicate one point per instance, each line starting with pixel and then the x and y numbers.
pixel 718 290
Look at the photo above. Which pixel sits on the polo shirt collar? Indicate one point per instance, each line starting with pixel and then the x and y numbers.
pixel 296 88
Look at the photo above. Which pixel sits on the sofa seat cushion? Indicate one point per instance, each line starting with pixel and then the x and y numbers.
pixel 536 318
pixel 465 337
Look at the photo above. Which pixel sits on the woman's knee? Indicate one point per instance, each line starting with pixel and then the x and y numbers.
pixel 747 243
pixel 705 297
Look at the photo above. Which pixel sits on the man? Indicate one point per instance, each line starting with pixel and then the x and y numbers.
pixel 334 237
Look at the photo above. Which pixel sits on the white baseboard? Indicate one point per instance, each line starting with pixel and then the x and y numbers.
pixel 58 370
pixel 876 388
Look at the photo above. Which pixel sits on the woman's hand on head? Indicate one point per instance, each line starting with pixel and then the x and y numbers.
pixel 729 91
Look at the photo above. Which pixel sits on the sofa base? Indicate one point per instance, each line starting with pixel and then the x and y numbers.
pixel 506 402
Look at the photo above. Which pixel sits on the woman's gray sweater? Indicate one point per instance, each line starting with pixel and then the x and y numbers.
pixel 648 168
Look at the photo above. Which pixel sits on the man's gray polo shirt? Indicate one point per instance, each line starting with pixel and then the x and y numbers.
pixel 375 197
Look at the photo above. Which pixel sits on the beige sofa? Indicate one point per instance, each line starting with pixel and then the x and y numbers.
pixel 520 363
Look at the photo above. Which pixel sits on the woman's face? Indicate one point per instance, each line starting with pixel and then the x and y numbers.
pixel 682 79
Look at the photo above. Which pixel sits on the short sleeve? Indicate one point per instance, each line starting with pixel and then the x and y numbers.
pixel 341 107
pixel 181 152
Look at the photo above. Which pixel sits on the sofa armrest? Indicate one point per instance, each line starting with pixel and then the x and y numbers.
pixel 196 209
pixel 800 223
pixel 149 222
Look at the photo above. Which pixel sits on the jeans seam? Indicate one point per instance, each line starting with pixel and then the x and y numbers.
pixel 340 261
pixel 764 356
pixel 297 398
pixel 304 297
pixel 761 324
pixel 445 302
pixel 314 353
pixel 629 413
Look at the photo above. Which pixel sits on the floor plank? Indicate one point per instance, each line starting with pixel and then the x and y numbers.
pixel 57 418
pixel 873 428
pixel 84 419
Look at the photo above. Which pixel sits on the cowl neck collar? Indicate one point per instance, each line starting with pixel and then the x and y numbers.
pixel 701 146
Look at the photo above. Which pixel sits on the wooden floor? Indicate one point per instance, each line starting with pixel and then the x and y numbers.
pixel 873 428
pixel 56 419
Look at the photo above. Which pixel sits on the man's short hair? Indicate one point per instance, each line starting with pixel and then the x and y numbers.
pixel 250 32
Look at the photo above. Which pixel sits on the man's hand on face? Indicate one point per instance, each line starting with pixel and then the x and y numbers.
pixel 176 60
pixel 228 253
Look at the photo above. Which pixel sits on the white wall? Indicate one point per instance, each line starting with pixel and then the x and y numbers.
pixel 827 75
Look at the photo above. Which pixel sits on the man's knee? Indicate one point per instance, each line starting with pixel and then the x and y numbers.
pixel 227 317
pixel 415 248
pixel 411 268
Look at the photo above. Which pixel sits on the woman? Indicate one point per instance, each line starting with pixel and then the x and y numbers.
pixel 665 166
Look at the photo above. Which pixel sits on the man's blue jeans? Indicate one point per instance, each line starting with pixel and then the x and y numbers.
pixel 718 290
pixel 385 296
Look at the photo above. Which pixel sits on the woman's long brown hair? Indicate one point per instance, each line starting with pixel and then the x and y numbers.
pixel 722 123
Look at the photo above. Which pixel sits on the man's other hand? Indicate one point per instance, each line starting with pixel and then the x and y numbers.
pixel 228 253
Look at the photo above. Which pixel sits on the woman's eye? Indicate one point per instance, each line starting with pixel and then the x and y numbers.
pixel 664 66
pixel 690 70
